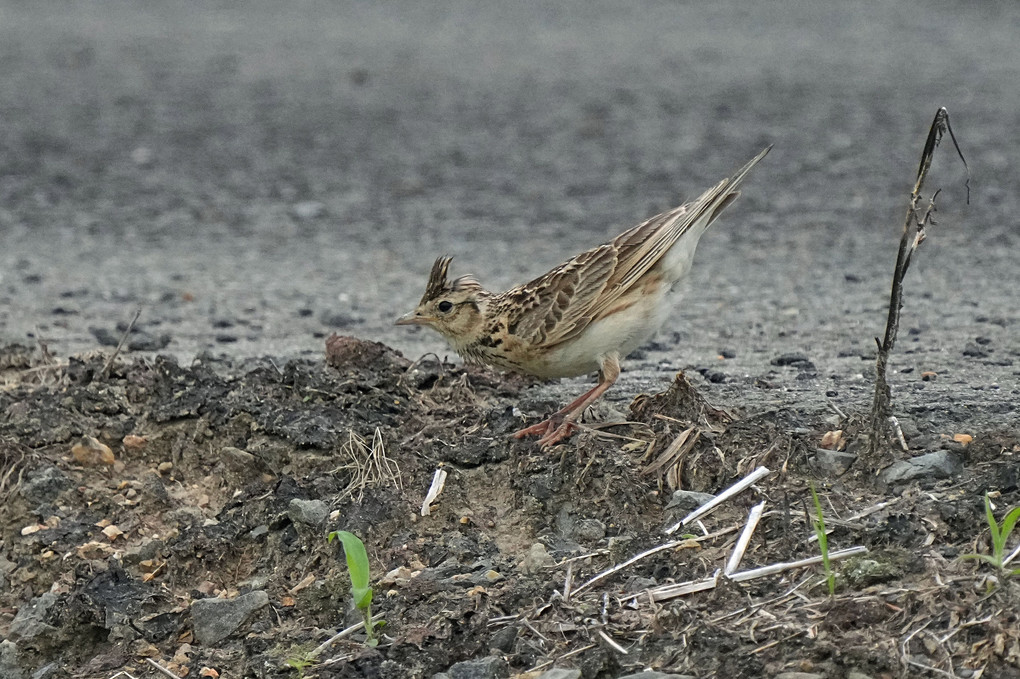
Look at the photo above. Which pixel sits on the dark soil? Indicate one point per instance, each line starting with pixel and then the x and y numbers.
pixel 255 177
pixel 212 462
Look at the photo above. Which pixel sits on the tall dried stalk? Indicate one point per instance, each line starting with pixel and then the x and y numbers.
pixel 915 223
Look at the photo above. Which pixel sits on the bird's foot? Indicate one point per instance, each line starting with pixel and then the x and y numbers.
pixel 552 431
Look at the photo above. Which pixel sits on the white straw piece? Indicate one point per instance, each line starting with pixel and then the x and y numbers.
pixel 438 482
pixel 780 567
pixel 745 538
pixel 735 489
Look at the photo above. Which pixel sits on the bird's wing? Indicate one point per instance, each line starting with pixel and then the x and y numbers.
pixel 559 305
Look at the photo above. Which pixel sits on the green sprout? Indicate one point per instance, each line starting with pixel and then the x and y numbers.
pixel 299 662
pixel 1000 535
pixel 823 541
pixel 357 566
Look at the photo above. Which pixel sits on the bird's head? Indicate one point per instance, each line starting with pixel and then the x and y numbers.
pixel 455 309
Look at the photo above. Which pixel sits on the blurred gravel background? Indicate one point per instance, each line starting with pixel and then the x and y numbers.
pixel 257 175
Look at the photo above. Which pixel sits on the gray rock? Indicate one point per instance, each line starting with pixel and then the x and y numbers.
pixel 150 549
pixel 942 464
pixel 589 531
pixel 217 619
pixel 537 559
pixel 656 675
pixel 28 623
pixel 237 459
pixel 833 462
pixel 798 675
pixel 492 667
pixel 310 512
pixel 504 639
pixel 560 673
pixel 854 674
pixel 44 485
pixel 688 499
pixel 9 668
pixel 47 671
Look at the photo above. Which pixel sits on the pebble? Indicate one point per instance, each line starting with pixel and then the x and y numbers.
pixel 537 559
pixel 942 464
pixel 28 623
pixel 9 666
pixel 492 667
pixel 797 360
pixel 833 462
pixel 44 484
pixel 91 451
pixel 560 673
pixel 309 512
pixel 688 499
pixel 216 619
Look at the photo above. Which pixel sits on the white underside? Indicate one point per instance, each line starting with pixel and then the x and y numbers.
pixel 626 330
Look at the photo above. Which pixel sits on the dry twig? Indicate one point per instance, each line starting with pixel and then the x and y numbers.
pixel 916 221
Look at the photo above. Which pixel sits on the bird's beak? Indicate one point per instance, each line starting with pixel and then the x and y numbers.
pixel 412 318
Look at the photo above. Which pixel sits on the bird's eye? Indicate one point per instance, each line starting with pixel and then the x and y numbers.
pixel 445 306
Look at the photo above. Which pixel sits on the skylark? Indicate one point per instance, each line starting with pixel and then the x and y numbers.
pixel 584 315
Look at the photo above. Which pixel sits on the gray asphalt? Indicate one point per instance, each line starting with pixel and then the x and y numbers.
pixel 255 176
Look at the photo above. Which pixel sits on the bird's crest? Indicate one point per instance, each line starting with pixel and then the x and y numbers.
pixel 439 284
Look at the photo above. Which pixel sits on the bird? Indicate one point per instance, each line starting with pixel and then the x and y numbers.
pixel 584 315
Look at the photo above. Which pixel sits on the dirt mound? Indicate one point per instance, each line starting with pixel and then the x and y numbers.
pixel 194 537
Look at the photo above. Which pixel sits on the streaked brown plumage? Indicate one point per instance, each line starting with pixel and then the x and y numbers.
pixel 584 315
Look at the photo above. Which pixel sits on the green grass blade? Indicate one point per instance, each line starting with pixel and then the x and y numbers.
pixel 1009 523
pixel 357 564
pixel 993 525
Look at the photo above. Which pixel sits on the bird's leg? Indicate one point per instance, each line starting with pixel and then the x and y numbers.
pixel 562 423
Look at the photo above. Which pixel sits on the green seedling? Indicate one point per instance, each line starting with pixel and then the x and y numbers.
pixel 357 566
pixel 299 662
pixel 823 541
pixel 1000 535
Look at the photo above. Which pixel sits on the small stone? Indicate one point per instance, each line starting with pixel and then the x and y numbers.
pixel 560 673
pixel 236 458
pixel 656 675
pixel 44 484
pixel 504 639
pixel 309 512
pixel 796 360
pixel 90 451
pixel 164 467
pixel 975 351
pixel 688 499
pixel 340 320
pixel 619 547
pixel 589 531
pixel 798 675
pixel 50 671
pixel 492 667
pixel 941 464
pixel 29 622
pixel 537 559
pixel 9 666
pixel 216 619
pixel 834 462
pixel 864 571
pixel 134 442
pixel 854 674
